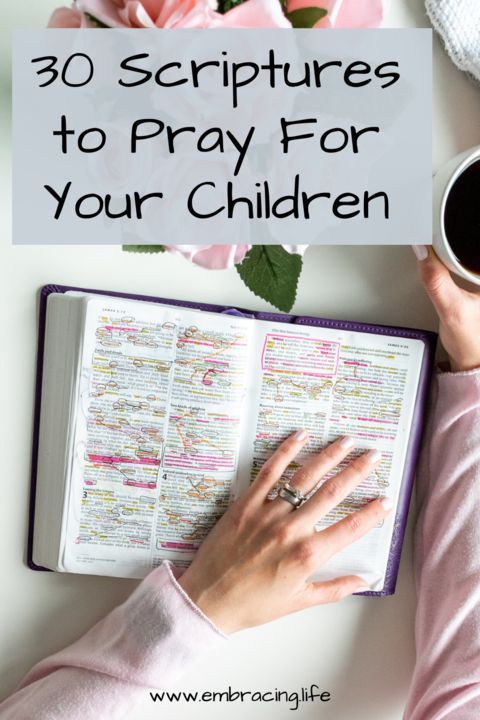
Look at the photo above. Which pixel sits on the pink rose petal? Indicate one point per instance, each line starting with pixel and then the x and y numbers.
pixel 344 13
pixel 213 257
pixel 65 18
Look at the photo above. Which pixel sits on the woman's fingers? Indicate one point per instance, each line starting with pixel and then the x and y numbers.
pixel 312 471
pixel 328 591
pixel 273 469
pixel 342 533
pixel 336 488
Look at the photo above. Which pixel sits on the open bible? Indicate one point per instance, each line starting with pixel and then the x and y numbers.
pixel 153 415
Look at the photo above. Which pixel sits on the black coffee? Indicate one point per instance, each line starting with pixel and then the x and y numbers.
pixel 462 218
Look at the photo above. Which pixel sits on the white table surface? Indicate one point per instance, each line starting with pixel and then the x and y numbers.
pixel 361 650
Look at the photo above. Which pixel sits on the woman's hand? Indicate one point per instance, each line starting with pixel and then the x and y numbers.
pixel 253 566
pixel 458 310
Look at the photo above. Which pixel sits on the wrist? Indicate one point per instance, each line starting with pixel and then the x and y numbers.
pixel 211 602
pixel 464 365
pixel 175 574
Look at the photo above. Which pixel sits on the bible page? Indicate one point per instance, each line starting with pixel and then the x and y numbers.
pixel 332 383
pixel 157 433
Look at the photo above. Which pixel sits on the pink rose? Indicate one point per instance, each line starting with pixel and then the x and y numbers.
pixel 150 13
pixel 170 14
pixel 344 13
pixel 202 14
pixel 180 14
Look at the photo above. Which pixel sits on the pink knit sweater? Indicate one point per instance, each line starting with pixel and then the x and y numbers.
pixel 158 632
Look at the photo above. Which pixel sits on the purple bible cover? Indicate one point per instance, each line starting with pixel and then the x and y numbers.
pixel 428 338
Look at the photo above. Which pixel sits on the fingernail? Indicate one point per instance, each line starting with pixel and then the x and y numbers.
pixel 421 251
pixel 386 503
pixel 347 442
pixel 374 456
pixel 300 435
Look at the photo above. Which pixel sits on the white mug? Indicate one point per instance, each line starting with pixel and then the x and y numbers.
pixel 442 184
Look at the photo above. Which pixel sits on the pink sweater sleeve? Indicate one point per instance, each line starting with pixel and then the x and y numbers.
pixel 446 680
pixel 158 632
pixel 143 644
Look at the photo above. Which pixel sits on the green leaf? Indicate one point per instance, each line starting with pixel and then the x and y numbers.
pixel 144 248
pixel 96 21
pixel 272 273
pixel 226 5
pixel 306 17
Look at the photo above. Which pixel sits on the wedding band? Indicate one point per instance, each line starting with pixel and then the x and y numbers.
pixel 292 495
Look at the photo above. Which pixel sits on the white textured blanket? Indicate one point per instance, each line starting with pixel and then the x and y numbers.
pixel 458 22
